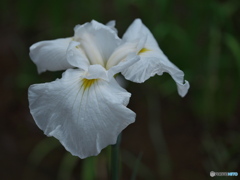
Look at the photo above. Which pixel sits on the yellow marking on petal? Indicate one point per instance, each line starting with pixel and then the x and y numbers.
pixel 87 83
pixel 143 50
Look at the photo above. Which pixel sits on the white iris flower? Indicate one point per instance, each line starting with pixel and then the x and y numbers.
pixel 86 109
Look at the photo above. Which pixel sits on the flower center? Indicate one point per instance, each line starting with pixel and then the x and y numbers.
pixel 87 83
pixel 143 50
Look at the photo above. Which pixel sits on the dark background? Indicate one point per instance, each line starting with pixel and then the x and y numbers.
pixel 173 138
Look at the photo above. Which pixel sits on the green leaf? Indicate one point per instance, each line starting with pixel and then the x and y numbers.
pixel 42 149
pixel 67 166
pixel 89 168
pixel 130 160
pixel 234 47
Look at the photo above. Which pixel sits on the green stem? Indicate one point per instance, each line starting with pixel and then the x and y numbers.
pixel 115 159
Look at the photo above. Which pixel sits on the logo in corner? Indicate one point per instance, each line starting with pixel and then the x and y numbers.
pixel 212 173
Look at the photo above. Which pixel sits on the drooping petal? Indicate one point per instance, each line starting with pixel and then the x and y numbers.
pixel 152 59
pixel 97 40
pixel 50 55
pixel 142 70
pixel 85 115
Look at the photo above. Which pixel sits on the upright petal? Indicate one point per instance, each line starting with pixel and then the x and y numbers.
pixel 50 55
pixel 76 56
pixel 138 30
pixel 152 59
pixel 112 24
pixel 85 115
pixel 97 40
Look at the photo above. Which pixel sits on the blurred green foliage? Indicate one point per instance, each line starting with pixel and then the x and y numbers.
pixel 201 37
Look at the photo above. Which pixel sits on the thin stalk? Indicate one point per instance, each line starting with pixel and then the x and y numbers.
pixel 115 159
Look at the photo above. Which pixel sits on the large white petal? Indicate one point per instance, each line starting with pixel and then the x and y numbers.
pixel 85 116
pixel 152 59
pixel 50 55
pixel 97 40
